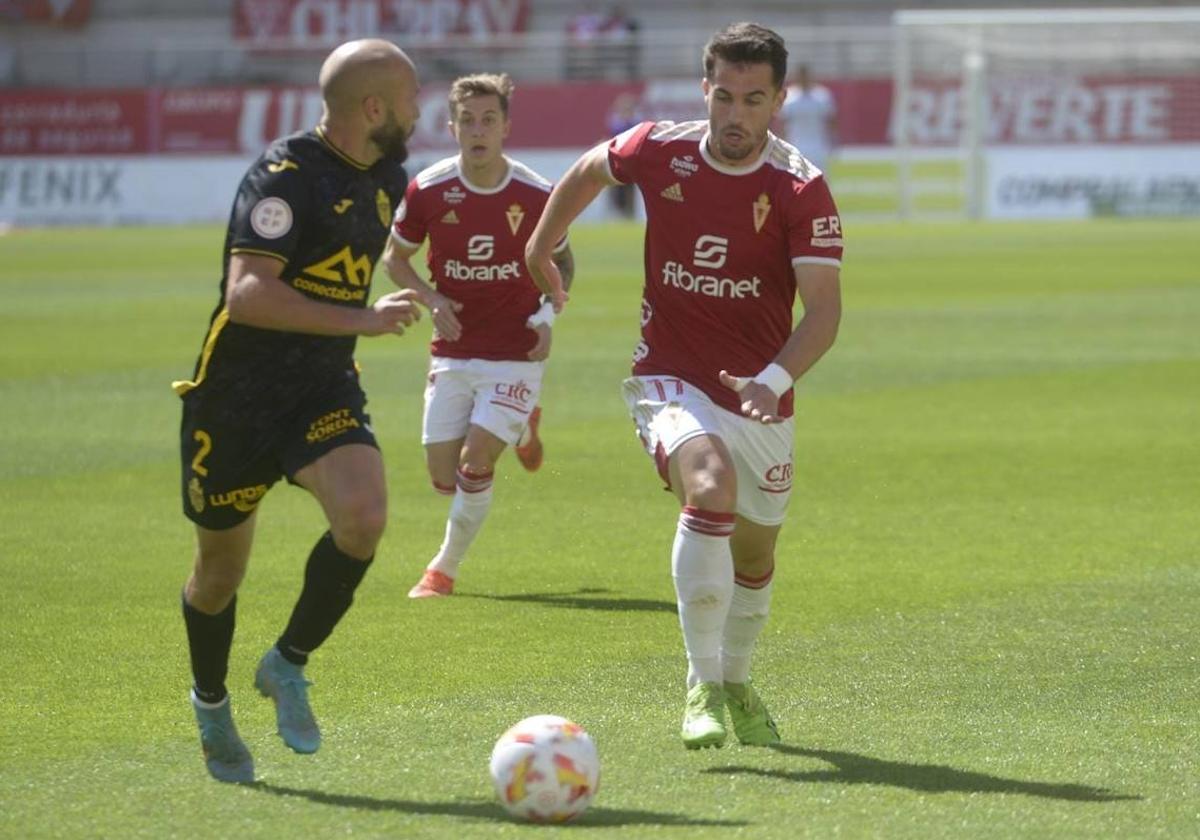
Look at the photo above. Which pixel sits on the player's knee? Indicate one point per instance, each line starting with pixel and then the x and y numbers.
pixel 359 525
pixel 477 459
pixel 214 584
pixel 712 490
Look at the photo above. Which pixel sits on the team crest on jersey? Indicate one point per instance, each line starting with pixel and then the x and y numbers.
pixel 762 206
pixel 450 218
pixel 454 195
pixel 673 193
pixel 515 214
pixel 383 205
pixel 196 495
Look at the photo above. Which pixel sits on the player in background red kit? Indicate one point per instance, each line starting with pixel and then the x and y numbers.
pixel 492 329
pixel 738 224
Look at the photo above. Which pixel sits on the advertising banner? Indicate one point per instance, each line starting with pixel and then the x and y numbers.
pixel 1080 182
pixel 304 23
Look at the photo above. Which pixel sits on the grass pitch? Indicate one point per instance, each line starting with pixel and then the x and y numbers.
pixel 984 621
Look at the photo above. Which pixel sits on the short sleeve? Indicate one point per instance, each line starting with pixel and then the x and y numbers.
pixel 272 202
pixel 814 226
pixel 409 226
pixel 623 152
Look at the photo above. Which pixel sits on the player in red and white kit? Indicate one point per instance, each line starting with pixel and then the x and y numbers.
pixel 738 224
pixel 492 328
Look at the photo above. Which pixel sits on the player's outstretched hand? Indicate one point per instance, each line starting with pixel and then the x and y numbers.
pixel 758 401
pixel 547 278
pixel 393 312
pixel 445 316
pixel 541 350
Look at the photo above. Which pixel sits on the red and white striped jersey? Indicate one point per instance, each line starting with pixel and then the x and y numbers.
pixel 476 253
pixel 721 247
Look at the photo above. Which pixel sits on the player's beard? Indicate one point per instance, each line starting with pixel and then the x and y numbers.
pixel 391 138
pixel 732 152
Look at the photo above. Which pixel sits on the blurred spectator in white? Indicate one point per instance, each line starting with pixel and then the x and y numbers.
pixel 810 118
pixel 623 116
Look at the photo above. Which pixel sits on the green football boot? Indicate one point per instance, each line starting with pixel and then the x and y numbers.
pixel 752 723
pixel 704 716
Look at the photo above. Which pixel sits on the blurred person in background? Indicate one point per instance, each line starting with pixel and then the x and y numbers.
pixel 275 392
pixel 492 331
pixel 810 118
pixel 623 116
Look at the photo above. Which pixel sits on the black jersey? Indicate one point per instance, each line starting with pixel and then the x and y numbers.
pixel 326 217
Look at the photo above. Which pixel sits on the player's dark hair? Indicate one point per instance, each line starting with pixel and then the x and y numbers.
pixel 499 85
pixel 747 43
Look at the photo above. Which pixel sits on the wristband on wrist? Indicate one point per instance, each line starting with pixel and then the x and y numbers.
pixel 544 315
pixel 775 377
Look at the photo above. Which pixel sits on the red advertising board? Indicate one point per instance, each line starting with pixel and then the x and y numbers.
pixel 313 22
pixel 242 120
pixel 57 12
pixel 94 122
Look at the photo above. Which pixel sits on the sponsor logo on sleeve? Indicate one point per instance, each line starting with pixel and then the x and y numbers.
pixel 827 232
pixel 271 218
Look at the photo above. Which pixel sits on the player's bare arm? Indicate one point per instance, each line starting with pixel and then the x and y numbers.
pixel 542 322
pixel 257 297
pixel 820 291
pixel 397 259
pixel 578 188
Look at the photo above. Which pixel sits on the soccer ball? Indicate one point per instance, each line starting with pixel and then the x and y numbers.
pixel 545 769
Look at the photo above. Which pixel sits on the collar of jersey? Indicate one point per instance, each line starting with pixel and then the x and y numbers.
pixel 733 170
pixel 485 190
pixel 345 157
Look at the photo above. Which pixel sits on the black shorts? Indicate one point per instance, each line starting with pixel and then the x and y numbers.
pixel 228 466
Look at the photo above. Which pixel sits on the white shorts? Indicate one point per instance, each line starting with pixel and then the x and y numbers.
pixel 669 411
pixel 497 396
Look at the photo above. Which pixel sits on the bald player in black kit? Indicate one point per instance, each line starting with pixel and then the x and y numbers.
pixel 275 392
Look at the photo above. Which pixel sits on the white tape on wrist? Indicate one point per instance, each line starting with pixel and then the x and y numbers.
pixel 775 377
pixel 544 315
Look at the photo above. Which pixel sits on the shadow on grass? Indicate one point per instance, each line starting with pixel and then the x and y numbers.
pixel 593 817
pixel 583 599
pixel 853 769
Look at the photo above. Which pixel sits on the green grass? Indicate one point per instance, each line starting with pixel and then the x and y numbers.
pixel 985 612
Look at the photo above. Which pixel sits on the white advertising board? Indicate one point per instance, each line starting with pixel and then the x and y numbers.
pixel 175 189
pixel 1076 182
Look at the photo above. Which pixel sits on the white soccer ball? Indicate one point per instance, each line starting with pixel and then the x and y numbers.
pixel 545 769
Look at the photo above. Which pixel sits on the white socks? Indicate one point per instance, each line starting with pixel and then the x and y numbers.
pixel 471 502
pixel 747 616
pixel 702 566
